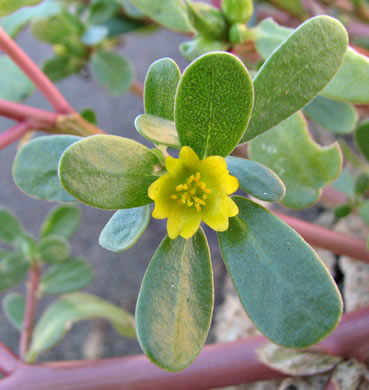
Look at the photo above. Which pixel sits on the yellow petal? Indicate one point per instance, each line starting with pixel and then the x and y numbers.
pixel 183 221
pixel 189 157
pixel 214 163
pixel 191 226
pixel 161 210
pixel 156 188
pixel 232 208
pixel 174 166
pixel 217 220
pixel 230 184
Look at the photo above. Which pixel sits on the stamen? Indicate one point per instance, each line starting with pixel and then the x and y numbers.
pixel 204 197
pixel 190 179
pixel 198 200
pixel 197 177
pixel 198 208
pixel 189 202
pixel 184 197
pixel 174 197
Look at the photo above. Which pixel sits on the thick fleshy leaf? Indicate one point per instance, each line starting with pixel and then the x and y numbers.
pixel 9 6
pixel 296 72
pixel 94 35
pixel 61 66
pixel 157 130
pixel 15 85
pixel 53 249
pixel 337 117
pixel 213 104
pixel 109 172
pixel 256 179
pixel 62 221
pixel 160 88
pixel 14 305
pixel 71 308
pixel 171 14
pixel 199 46
pixel 10 228
pixel 13 270
pixel 35 169
pixel 112 71
pixel 175 303
pixel 66 277
pixel 282 284
pixel 350 84
pixel 124 228
pixel 362 138
pixel 304 166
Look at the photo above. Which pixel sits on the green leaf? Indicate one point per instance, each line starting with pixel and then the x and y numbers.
pixel 14 306
pixel 57 29
pixel 199 46
pixel 89 115
pixel 345 183
pixel 13 270
pixel 102 11
pixel 117 179
pixel 351 84
pixel 10 228
pixel 66 277
pixel 342 211
pixel 175 303
pixel 158 130
pixel 61 66
pixel 35 169
pixel 26 246
pixel 71 308
pixel 94 35
pixel 282 284
pixel 237 11
pixel 362 138
pixel 15 85
pixel 113 71
pixel 256 179
pixel 53 249
pixel 170 14
pixel 118 26
pixel 124 228
pixel 13 23
pixel 131 10
pixel 9 6
pixel 160 88
pixel 363 211
pixel 62 221
pixel 213 104
pixel 304 166
pixel 362 184
pixel 296 72
pixel 337 117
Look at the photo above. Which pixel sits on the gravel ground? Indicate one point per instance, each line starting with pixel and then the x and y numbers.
pixel 118 275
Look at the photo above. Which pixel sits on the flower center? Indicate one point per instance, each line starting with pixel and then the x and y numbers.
pixel 193 193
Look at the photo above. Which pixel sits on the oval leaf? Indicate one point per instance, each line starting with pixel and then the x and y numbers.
pixel 157 130
pixel 362 138
pixel 124 228
pixel 160 88
pixel 112 71
pixel 62 221
pixel 337 117
pixel 71 308
pixel 175 303
pixel 53 249
pixel 108 172
pixel 10 228
pixel 256 179
pixel 14 305
pixel 13 270
pixel 303 165
pixel 282 284
pixel 213 104
pixel 296 72
pixel 35 169
pixel 66 277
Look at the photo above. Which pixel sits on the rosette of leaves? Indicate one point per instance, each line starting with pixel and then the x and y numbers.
pixel 211 108
pixel 60 274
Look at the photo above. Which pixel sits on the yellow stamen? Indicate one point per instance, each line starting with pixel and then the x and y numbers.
pixel 198 208
pixel 199 201
pixel 174 197
pixel 204 197
pixel 189 202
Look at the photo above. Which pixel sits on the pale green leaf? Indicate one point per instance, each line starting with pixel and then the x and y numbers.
pixel 53 249
pixel 13 270
pixel 62 221
pixel 9 6
pixel 10 228
pixel 14 307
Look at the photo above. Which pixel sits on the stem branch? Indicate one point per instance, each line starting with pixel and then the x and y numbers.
pixel 31 304
pixel 13 133
pixel 48 89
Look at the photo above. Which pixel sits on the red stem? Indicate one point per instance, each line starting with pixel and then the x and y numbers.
pixel 51 93
pixel 35 116
pixel 13 133
pixel 8 360
pixel 31 304
pixel 218 365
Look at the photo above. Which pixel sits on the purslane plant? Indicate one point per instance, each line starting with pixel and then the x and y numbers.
pixel 206 112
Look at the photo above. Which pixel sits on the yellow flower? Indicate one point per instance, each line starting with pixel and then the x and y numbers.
pixel 192 191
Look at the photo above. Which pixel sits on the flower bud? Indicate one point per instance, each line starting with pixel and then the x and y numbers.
pixel 237 11
pixel 238 33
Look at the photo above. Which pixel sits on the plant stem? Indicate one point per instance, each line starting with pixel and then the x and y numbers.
pixel 36 117
pixel 31 304
pixel 8 360
pixel 13 133
pixel 48 89
pixel 137 89
pixel 218 365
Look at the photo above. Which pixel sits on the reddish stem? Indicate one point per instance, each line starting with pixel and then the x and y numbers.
pixel 218 365
pixel 51 93
pixel 8 360
pixel 137 89
pixel 13 133
pixel 324 238
pixel 332 196
pixel 36 117
pixel 31 304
